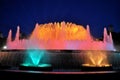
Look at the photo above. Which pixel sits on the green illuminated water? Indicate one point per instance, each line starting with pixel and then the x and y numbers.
pixel 40 65
pixel 34 57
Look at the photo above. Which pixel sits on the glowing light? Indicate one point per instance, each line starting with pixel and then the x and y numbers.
pixel 60 36
pixel 58 31
pixel 34 56
pixel 5 47
pixel 32 65
pixel 98 58
pixel 33 59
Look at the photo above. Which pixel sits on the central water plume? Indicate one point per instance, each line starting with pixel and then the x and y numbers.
pixel 59 31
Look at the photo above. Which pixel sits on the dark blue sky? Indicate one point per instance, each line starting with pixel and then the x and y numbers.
pixel 26 13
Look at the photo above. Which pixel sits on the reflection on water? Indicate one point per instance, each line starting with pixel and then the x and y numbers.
pixel 62 72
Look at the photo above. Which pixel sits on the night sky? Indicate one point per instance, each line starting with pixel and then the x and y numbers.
pixel 26 13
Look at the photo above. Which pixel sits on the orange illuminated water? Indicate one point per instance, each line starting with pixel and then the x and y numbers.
pixel 96 59
pixel 59 31
pixel 60 36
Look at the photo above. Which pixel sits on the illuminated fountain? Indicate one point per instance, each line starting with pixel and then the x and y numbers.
pixel 64 36
pixel 96 60
pixel 33 61
pixel 60 36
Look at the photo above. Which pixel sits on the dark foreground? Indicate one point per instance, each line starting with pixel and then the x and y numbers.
pixel 57 75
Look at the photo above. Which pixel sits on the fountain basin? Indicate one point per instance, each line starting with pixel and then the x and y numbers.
pixel 102 67
pixel 40 67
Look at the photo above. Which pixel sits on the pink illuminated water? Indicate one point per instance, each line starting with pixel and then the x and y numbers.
pixel 61 36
